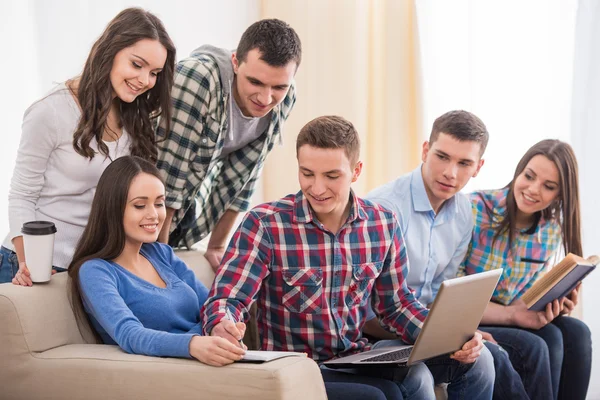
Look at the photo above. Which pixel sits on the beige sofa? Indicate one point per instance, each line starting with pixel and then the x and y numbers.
pixel 43 355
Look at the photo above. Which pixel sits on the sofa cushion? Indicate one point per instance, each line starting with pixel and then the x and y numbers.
pixel 44 313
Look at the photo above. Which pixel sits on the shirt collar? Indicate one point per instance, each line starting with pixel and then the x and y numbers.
pixel 420 200
pixel 303 213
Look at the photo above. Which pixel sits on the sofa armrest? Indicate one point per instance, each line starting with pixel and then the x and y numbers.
pixel 87 371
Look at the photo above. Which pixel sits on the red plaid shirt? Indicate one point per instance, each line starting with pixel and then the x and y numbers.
pixel 311 285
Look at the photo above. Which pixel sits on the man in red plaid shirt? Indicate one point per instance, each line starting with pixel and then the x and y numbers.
pixel 310 261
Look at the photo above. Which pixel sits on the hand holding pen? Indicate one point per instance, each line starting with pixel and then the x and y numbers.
pixel 228 328
pixel 234 320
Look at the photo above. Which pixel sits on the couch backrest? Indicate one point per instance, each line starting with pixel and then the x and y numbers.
pixel 43 312
pixel 195 260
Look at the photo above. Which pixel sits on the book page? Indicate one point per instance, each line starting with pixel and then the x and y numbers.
pixel 552 277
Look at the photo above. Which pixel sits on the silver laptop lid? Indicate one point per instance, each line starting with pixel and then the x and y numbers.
pixel 455 314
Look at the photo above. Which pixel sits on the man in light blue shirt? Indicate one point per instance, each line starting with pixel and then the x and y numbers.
pixel 436 243
pixel 437 222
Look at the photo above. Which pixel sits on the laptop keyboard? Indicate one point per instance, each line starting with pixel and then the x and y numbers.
pixel 398 355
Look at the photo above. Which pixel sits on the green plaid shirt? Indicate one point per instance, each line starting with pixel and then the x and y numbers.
pixel 190 157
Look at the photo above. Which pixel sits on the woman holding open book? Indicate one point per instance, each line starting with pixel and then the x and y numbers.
pixel 522 228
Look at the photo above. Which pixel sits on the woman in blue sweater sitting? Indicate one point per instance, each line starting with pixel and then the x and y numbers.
pixel 139 295
pixel 136 292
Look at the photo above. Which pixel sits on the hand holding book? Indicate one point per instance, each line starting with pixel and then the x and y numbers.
pixel 571 300
pixel 559 282
pixel 523 317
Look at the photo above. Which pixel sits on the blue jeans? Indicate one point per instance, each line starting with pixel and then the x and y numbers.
pixel 348 386
pixel 529 357
pixel 408 383
pixel 508 384
pixel 569 342
pixel 352 391
pixel 465 381
pixel 9 265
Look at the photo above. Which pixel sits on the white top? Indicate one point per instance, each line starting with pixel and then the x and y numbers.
pixel 51 182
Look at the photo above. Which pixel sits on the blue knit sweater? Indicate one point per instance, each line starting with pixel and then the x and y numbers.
pixel 138 316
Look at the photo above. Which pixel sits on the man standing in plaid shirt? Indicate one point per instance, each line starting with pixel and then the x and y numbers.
pixel 229 110
pixel 312 261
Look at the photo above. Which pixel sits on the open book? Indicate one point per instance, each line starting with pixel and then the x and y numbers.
pixel 256 356
pixel 559 281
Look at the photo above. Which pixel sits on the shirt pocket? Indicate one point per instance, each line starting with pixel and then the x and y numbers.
pixel 361 284
pixel 303 290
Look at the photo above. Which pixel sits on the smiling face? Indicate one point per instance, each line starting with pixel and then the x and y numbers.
pixel 259 86
pixel 536 187
pixel 448 164
pixel 135 69
pixel 145 209
pixel 325 176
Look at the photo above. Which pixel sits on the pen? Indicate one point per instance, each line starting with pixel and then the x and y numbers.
pixel 230 317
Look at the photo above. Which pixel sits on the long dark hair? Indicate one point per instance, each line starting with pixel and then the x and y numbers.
pixel 564 209
pixel 104 234
pixel 95 93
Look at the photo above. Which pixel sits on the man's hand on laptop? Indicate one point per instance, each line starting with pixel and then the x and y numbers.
pixel 470 350
pixel 487 337
pixel 233 332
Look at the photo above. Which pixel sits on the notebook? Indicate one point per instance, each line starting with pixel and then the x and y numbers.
pixel 258 356
pixel 452 321
pixel 559 281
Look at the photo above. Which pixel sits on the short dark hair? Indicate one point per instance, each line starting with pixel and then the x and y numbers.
pixel 277 42
pixel 331 132
pixel 461 125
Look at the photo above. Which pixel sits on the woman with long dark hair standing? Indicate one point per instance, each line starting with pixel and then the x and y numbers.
pixel 72 134
pixel 523 228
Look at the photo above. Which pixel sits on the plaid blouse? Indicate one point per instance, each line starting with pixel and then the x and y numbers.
pixel 311 285
pixel 532 253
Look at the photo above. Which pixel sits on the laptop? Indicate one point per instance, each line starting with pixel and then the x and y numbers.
pixel 453 319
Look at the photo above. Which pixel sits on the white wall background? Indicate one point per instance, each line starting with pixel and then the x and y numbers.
pixel 508 62
pixel 586 140
pixel 44 42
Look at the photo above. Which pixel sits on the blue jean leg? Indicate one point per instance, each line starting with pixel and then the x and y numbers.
pixel 411 383
pixel 353 385
pixel 415 382
pixel 9 265
pixel 572 340
pixel 507 384
pixel 465 381
pixel 529 356
pixel 554 341
pixel 352 391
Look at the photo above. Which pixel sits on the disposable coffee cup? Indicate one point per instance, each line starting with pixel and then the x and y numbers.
pixel 38 241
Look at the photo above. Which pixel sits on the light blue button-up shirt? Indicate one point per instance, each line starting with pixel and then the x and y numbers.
pixel 436 244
